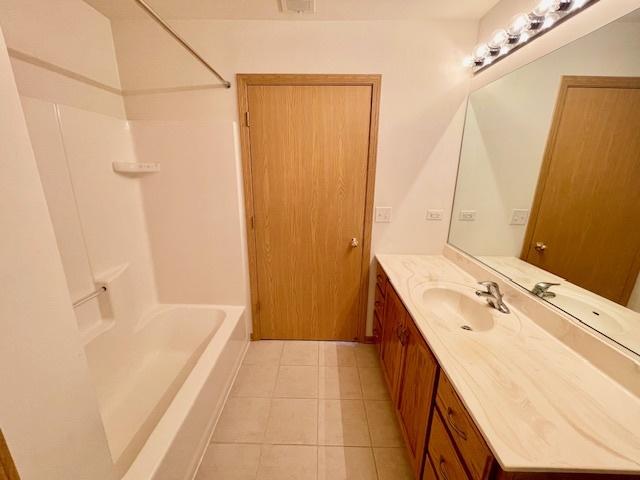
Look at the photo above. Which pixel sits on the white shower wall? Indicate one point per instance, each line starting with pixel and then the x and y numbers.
pixel 97 214
pixel 192 210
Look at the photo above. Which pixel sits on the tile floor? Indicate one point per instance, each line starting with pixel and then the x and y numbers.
pixel 307 410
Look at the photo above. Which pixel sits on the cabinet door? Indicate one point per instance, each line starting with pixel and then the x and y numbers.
pixel 415 392
pixel 391 348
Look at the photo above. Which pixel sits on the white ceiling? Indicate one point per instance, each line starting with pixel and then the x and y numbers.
pixel 325 9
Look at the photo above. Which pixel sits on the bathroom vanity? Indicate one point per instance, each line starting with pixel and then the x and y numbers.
pixel 481 394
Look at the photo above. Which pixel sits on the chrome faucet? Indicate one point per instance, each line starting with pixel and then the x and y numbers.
pixel 541 289
pixel 493 296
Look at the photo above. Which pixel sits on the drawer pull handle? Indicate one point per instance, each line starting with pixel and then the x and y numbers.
pixel 443 470
pixel 457 429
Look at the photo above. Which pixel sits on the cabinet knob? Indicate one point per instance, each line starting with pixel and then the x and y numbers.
pixel 355 243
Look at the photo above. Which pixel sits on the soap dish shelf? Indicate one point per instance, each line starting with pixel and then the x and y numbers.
pixel 136 167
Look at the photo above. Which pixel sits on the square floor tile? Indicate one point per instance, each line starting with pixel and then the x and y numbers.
pixel 229 462
pixel 255 381
pixel 373 385
pixel 343 422
pixel 383 425
pixel 264 352
pixel 367 355
pixel 288 462
pixel 297 381
pixel 243 420
pixel 393 464
pixel 293 422
pixel 299 353
pixel 334 354
pixel 339 382
pixel 346 463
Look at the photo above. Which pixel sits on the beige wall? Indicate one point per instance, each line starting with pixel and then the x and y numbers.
pixel 423 90
pixel 48 409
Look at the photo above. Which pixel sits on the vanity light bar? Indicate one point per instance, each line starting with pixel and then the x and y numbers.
pixel 524 28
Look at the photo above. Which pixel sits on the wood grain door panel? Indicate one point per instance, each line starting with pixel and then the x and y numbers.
pixel 416 392
pixel 309 159
pixel 587 206
pixel 391 348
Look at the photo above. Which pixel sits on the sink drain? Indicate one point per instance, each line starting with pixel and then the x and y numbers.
pixel 467 327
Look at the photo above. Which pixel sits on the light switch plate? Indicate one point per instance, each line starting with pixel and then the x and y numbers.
pixel 434 214
pixel 383 214
pixel 467 215
pixel 519 217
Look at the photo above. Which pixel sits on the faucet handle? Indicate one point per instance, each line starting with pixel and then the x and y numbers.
pixel 546 285
pixel 490 285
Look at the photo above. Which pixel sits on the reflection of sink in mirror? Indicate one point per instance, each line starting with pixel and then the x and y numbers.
pixel 459 308
pixel 586 310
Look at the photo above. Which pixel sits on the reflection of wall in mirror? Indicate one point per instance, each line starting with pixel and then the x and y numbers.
pixel 506 133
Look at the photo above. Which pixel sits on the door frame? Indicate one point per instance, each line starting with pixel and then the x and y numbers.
pixel 246 80
pixel 567 82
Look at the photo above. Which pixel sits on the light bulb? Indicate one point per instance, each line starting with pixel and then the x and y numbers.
pixel 550 20
pixel 481 51
pixel 562 5
pixel 498 39
pixel 544 7
pixel 468 61
pixel 577 4
pixel 518 25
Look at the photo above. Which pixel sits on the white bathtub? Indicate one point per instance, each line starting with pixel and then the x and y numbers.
pixel 161 387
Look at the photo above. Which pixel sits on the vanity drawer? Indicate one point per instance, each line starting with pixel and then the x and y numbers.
pixel 442 453
pixel 464 433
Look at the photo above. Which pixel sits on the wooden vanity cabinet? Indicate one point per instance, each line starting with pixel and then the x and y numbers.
pixel 391 348
pixel 378 306
pixel 442 440
pixel 416 386
pixel 410 370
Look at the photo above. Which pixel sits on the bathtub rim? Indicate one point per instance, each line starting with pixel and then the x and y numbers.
pixel 150 458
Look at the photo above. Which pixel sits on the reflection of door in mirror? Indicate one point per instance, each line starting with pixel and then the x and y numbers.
pixel 585 220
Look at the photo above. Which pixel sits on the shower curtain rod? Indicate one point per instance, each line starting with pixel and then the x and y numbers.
pixel 181 41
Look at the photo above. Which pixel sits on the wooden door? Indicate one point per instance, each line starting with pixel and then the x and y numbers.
pixel 585 216
pixel 395 316
pixel 416 392
pixel 310 162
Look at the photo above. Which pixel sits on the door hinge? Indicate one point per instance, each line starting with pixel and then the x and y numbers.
pixel 246 119
pixel 252 222
pixel 258 306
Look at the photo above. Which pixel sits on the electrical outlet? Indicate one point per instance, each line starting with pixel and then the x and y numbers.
pixel 434 214
pixel 519 217
pixel 383 214
pixel 467 215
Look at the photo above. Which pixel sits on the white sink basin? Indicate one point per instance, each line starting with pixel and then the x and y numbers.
pixel 459 308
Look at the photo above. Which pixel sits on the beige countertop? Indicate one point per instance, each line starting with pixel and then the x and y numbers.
pixel 539 405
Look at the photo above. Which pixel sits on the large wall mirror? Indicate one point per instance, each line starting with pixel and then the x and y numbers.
pixel 548 189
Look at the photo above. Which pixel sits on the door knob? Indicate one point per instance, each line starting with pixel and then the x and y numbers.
pixel 540 247
pixel 354 242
